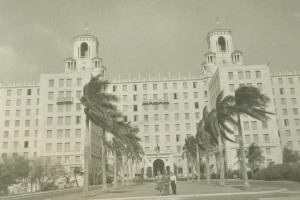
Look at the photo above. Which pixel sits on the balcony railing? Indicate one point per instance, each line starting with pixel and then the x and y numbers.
pixel 156 101
pixel 64 100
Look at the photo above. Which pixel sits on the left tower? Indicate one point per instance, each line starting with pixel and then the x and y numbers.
pixel 85 55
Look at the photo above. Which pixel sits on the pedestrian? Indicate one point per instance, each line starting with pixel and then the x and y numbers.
pixel 173 183
pixel 166 183
pixel 159 182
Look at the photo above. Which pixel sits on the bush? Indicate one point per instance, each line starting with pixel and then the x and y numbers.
pixel 279 172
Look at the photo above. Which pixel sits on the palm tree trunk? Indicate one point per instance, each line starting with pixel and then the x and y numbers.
pixel 123 170
pixel 188 168
pixel 115 170
pixel 131 170
pixel 198 165
pixel 85 192
pixel 221 161
pixel 246 184
pixel 207 167
pixel 103 165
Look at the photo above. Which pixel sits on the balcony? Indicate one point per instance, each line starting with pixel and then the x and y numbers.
pixel 155 101
pixel 64 100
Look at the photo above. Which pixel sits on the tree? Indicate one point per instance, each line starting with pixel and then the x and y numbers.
pixel 289 156
pixel 254 156
pixel 77 171
pixel 205 142
pixel 189 152
pixel 249 101
pixel 216 124
pixel 98 109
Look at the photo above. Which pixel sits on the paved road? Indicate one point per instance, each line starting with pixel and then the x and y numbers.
pixel 186 191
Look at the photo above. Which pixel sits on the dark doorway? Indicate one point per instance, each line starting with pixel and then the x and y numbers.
pixel 158 165
pixel 84 50
pixel 222 44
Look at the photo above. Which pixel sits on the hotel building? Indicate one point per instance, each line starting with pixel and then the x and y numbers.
pixel 47 119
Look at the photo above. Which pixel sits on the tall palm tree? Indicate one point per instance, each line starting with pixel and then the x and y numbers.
pixel 216 125
pixel 98 105
pixel 255 157
pixel 205 141
pixel 249 100
pixel 189 152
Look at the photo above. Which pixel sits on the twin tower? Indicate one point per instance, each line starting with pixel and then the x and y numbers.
pixel 221 52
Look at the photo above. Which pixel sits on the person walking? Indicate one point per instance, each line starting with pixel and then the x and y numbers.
pixel 166 183
pixel 159 182
pixel 173 183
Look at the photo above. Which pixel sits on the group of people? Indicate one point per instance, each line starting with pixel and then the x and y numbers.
pixel 164 180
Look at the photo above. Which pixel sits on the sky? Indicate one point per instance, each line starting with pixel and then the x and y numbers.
pixel 144 36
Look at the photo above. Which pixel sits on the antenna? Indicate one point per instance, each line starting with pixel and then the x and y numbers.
pixel 86 27
pixel 218 20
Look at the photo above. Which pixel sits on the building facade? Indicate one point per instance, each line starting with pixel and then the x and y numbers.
pixel 47 119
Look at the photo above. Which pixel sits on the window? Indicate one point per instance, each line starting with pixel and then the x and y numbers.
pixel 165 86
pixel 146 128
pixel 156 128
pixel 155 96
pixel 135 118
pixel 205 93
pixel 26 133
pixel 292 90
pixel 254 125
pixel 264 124
pixel 166 106
pixel 258 74
pixel 59 133
pixel 50 107
pixel 166 117
pixel 197 115
pixel 135 97
pixel 178 149
pixel 60 121
pixel 114 88
pixel 288 133
pixel 176 116
pixel 18 113
pixel 240 75
pixel 230 75
pixel 184 85
pixel 177 127
pixel 51 82
pixel 78 82
pixel 68 120
pixel 194 84
pixel 50 95
pixel 145 97
pixel 17 122
pixel 268 151
pixel 266 138
pixel 294 101
pixel 297 122
pixel 78 119
pixel 7 103
pixel 61 82
pixel 286 122
pixel 125 98
pixel 196 105
pixel 154 86
pixel 248 75
pixel 135 108
pixel 167 127
pixel 155 107
pixel 176 106
pixel 283 101
pixel 187 116
pixel 19 92
pixel 177 138
pixel 246 125
pixel 185 95
pixel 231 87
pixel 284 111
pixel 28 102
pixel 167 138
pixel 59 147
pixel 26 144
pixel 165 95
pixel 295 111
pixel 78 94
pixel 69 83
pixel 174 86
pixel 195 95
pixel 16 145
pixel 7 113
pixel 280 81
pixel 28 91
pixel 146 139
pixel 281 91
pixel 247 139
pixel 157 138
pixel 125 118
pixel 260 86
pixel 18 102
pixel 255 138
pixel 78 106
pixel 77 146
pixel 67 133
pixel 144 86
pixel 290 80
pixel 175 96
pixel 187 126
pixel 16 134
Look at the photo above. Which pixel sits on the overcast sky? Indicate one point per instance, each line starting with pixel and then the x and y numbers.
pixel 144 36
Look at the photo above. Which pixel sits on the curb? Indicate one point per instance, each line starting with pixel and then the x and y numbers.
pixel 196 195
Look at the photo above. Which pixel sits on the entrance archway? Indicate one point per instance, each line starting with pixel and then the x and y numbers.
pixel 158 165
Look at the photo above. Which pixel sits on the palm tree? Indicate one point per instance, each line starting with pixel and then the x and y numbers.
pixel 248 100
pixel 205 142
pixel 189 151
pixel 98 105
pixel 254 156
pixel 216 125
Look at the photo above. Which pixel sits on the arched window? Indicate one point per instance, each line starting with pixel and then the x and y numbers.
pixel 84 50
pixel 222 44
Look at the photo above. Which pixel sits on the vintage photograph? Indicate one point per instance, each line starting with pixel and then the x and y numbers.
pixel 149 99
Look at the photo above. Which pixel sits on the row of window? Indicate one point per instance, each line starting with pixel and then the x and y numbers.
pixel 244 75
pixel 14 155
pixel 168 148
pixel 155 86
pixel 65 82
pixel 285 111
pixel 254 125
pixel 18 112
pixel 266 138
pixel 19 92
pixel 18 122
pixel 64 107
pixel 63 120
pixel 19 102
pixel 282 91
pixel 287 122
pixel 167 127
pixel 66 133
pixel 63 94
pixel 59 147
pixel 16 144
pixel 289 144
pixel 283 101
pixel 288 133
pixel 232 87
pixel 17 133
pixel 167 138
pixel 166 117
pixel 290 80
